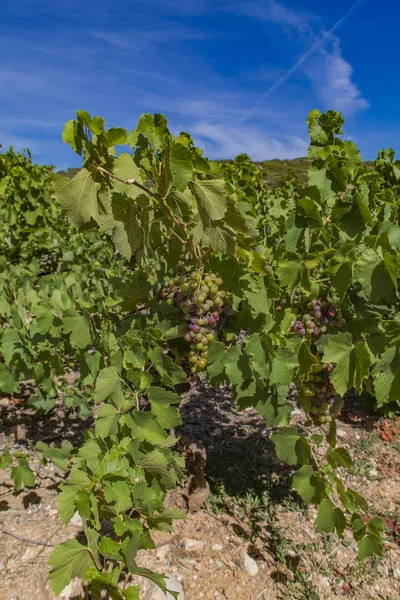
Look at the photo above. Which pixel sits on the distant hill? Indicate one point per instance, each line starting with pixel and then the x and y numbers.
pixel 275 172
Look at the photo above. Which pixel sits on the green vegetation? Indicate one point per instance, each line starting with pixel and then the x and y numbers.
pixel 170 265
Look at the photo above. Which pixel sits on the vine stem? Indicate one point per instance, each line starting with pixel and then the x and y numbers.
pixel 25 539
pixel 128 182
pixel 184 239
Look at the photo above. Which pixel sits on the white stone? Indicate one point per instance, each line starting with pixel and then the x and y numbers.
pixel 162 552
pixel 217 431
pixel 192 545
pixel 217 547
pixel 249 564
pixel 341 433
pixel 173 585
pixel 73 589
pixel 76 520
pixel 373 473
pixel 2 567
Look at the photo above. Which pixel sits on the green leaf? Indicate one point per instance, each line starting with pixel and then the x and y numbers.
pixel 154 128
pixel 352 361
pixel 118 493
pixel 107 421
pixel 69 559
pixel 340 457
pixel 285 440
pixel 8 384
pixel 127 235
pixel 125 168
pixel 369 545
pixel 161 400
pixel 289 272
pixel 181 166
pixel 78 196
pixel 78 326
pixel 171 374
pixel 211 199
pixel 309 485
pixel 329 518
pixel 283 366
pixel 108 385
pixel 22 475
pixel 372 273
pixel 386 375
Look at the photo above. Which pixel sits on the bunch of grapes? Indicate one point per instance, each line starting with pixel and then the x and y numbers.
pixel 323 313
pixel 200 298
pixel 317 394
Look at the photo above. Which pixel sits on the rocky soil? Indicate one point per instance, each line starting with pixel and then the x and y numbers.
pixel 252 539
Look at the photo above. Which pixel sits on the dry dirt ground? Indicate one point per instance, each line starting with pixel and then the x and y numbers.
pixel 251 508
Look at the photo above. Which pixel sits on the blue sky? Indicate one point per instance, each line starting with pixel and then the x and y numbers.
pixel 239 75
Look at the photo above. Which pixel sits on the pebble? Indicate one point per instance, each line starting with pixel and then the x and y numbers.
pixel 4 401
pixel 162 552
pixel 249 564
pixel 53 512
pixel 73 589
pixel 217 431
pixel 2 567
pixel 192 545
pixel 341 433
pixel 172 583
pixel 76 520
pixel 373 473
pixel 217 547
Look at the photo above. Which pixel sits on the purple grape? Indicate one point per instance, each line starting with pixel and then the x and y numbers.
pixel 196 328
pixel 316 331
pixel 187 337
pixel 318 314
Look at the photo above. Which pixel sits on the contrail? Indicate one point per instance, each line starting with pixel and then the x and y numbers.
pixel 300 61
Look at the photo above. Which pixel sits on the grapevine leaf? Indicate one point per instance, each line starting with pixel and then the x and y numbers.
pixel 338 350
pixel 8 384
pixel 181 165
pixel 285 440
pixel 326 519
pixel 371 271
pixel 308 485
pixel 288 272
pixel 369 545
pixel 127 233
pixel 171 374
pixel 161 400
pixel 69 559
pixel 22 475
pixel 125 168
pixel 387 377
pixel 78 196
pixel 109 385
pixel 118 493
pixel 283 366
pixel 211 199
pixel 78 326
pixel 107 421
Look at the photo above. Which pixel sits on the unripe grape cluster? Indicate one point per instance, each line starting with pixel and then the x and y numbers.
pixel 201 300
pixel 322 313
pixel 318 393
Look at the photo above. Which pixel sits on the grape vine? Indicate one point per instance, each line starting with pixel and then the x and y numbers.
pixel 133 286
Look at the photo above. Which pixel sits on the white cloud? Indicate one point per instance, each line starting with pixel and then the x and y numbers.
pixel 331 76
pixel 226 141
pixel 322 61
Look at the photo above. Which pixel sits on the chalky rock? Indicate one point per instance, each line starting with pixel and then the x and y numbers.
pixel 192 545
pixel 249 564
pixel 173 585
